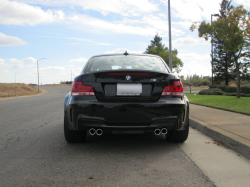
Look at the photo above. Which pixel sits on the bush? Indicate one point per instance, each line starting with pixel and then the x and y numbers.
pixel 212 91
pixel 198 82
pixel 245 89
pixel 222 87
pixel 230 94
pixel 212 86
pixel 245 95
pixel 201 82
pixel 231 89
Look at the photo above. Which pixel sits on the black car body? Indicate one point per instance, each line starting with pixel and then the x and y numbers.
pixel 126 92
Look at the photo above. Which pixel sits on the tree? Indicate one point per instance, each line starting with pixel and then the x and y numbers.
pixel 223 63
pixel 233 32
pixel 157 48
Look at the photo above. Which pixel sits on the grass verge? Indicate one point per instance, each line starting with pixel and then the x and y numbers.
pixel 229 103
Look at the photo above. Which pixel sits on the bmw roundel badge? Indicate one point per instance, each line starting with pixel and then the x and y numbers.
pixel 128 78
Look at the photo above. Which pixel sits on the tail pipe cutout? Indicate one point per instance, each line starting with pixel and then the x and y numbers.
pixel 163 131
pixel 97 132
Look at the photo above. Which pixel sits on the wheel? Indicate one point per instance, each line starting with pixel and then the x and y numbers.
pixel 178 136
pixel 72 136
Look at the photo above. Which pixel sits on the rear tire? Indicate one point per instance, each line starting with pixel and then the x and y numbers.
pixel 72 136
pixel 178 136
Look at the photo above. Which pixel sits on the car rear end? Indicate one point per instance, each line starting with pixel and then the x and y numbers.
pixel 126 92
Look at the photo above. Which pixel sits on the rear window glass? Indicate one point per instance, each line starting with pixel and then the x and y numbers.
pixel 122 62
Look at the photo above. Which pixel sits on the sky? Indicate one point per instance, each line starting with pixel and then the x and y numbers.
pixel 68 32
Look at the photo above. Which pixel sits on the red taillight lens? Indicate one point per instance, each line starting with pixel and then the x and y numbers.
pixel 176 89
pixel 79 89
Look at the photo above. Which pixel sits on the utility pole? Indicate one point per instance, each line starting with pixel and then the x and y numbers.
pixel 15 77
pixel 38 72
pixel 170 37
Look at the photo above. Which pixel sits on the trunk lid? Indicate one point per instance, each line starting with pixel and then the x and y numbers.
pixel 128 85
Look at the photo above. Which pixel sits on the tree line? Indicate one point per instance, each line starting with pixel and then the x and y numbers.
pixel 230 34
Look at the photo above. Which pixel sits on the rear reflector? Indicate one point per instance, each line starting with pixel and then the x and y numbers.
pixel 128 73
pixel 79 89
pixel 176 89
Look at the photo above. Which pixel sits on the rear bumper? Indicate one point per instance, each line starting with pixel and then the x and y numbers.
pixel 85 124
pixel 86 114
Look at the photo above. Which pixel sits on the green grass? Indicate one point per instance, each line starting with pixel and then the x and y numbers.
pixel 229 103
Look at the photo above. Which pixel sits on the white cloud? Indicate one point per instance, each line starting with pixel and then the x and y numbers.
pixel 100 43
pixel 16 63
pixel 29 59
pixel 147 26
pixel 182 24
pixel 81 60
pixel 31 65
pixel 75 72
pixel 97 25
pixel 152 24
pixel 122 50
pixel 245 3
pixel 3 64
pixel 69 66
pixel 23 14
pixel 4 71
pixel 10 40
pixel 195 63
pixel 189 41
pixel 16 13
pixel 193 10
pixel 122 7
pixel 49 68
pixel 88 41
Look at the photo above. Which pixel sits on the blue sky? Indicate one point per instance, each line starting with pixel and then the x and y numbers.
pixel 68 32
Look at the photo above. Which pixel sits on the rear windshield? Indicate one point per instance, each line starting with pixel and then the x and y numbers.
pixel 122 62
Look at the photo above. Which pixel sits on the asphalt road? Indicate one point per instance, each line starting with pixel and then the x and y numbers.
pixel 33 151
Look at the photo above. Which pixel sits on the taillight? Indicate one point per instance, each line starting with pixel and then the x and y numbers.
pixel 176 89
pixel 79 89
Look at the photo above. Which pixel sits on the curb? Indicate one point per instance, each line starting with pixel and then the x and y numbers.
pixel 231 143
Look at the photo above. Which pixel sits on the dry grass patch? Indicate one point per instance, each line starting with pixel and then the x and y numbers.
pixel 63 85
pixel 16 89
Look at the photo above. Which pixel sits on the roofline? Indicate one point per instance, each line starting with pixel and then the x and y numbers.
pixel 122 54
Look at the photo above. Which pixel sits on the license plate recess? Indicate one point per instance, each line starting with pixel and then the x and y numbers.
pixel 129 89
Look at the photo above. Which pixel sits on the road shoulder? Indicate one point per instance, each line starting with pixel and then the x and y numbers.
pixel 24 96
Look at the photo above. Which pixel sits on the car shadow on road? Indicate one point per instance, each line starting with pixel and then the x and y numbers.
pixel 128 144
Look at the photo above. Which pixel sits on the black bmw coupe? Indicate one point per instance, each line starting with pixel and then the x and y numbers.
pixel 124 92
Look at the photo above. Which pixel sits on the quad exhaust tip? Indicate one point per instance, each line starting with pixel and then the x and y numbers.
pixel 99 132
pixel 163 131
pixel 157 132
pixel 93 131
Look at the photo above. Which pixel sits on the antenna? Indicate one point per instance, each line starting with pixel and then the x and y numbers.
pixel 126 53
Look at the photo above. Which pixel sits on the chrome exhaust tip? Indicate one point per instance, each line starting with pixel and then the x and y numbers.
pixel 164 131
pixel 92 131
pixel 99 132
pixel 157 132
